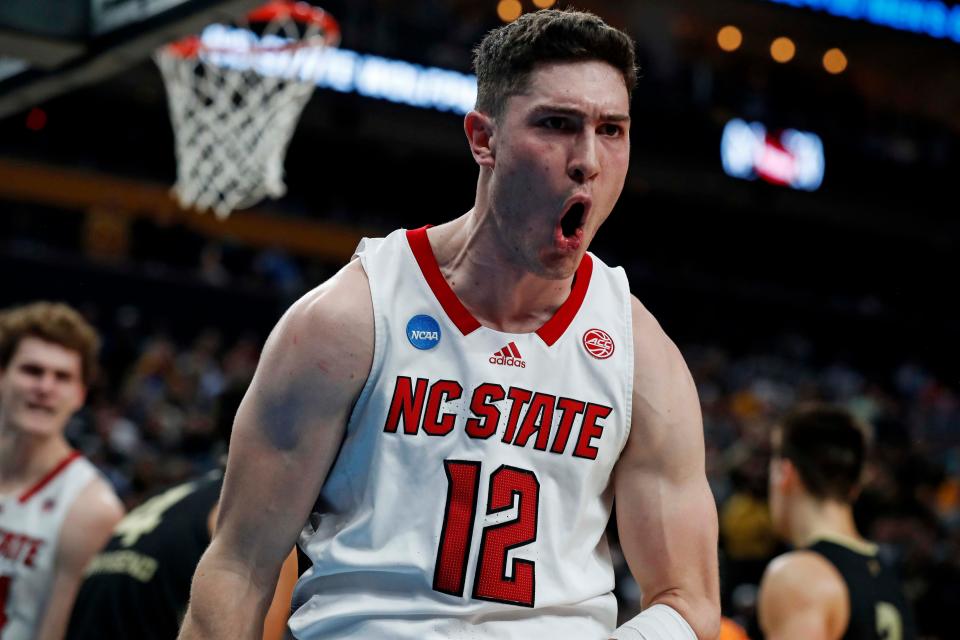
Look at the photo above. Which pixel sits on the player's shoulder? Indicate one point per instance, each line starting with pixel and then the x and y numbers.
pixel 345 295
pixel 653 349
pixel 92 516
pixel 337 312
pixel 802 590
pixel 99 502
pixel 328 331
pixel 802 575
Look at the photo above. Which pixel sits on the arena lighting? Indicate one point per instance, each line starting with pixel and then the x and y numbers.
pixel 926 17
pixel 789 158
pixel 509 10
pixel 834 61
pixel 346 71
pixel 729 38
pixel 783 50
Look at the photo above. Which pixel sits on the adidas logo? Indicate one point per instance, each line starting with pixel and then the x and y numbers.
pixel 509 356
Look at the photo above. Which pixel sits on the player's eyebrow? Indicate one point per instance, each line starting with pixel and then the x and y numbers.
pixel 546 109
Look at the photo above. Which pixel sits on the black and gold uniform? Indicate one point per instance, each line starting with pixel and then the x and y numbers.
pixel 878 608
pixel 139 585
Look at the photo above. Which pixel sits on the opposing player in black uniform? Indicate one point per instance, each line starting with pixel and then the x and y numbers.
pixel 139 585
pixel 834 585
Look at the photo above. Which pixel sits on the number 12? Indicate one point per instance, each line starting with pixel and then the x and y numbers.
pixel 491 581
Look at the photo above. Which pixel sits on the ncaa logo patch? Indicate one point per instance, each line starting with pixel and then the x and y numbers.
pixel 423 332
pixel 598 343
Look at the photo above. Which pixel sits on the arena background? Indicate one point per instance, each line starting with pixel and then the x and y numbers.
pixel 847 292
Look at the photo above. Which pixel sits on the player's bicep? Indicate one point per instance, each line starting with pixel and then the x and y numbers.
pixel 668 532
pixel 290 424
pixel 666 514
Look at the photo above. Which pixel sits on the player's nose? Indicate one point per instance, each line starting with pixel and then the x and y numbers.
pixel 584 163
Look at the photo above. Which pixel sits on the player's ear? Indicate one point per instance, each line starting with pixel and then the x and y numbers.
pixel 80 397
pixel 789 476
pixel 479 128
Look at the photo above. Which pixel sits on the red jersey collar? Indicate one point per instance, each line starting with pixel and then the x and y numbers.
pixel 551 330
pixel 50 475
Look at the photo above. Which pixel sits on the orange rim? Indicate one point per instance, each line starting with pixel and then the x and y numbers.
pixel 307 14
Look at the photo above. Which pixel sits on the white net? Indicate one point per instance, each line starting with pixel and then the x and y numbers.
pixel 232 121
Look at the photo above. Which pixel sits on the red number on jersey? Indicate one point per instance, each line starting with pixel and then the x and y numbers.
pixel 463 481
pixel 492 581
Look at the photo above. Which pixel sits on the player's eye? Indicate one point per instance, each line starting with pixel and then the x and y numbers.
pixel 609 129
pixel 555 122
pixel 31 370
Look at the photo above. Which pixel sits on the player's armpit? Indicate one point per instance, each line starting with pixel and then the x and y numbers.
pixel 86 529
pixel 666 515
pixel 802 596
pixel 286 435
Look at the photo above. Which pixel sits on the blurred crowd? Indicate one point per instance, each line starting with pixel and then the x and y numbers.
pixel 164 409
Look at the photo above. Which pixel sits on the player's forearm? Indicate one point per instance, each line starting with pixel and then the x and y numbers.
pixel 225 605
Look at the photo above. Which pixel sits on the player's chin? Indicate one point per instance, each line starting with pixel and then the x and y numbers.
pixel 558 265
pixel 35 425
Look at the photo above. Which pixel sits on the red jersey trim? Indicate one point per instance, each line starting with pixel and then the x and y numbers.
pixel 551 330
pixel 45 480
pixel 420 245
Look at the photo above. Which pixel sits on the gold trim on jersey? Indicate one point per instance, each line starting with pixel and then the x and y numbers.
pixel 862 547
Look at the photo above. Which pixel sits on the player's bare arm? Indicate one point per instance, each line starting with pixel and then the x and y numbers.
pixel 285 439
pixel 86 529
pixel 666 515
pixel 803 596
pixel 275 622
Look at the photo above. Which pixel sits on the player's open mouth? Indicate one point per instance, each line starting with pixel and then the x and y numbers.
pixel 572 219
pixel 569 231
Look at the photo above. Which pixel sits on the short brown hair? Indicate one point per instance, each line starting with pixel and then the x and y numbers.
pixel 54 322
pixel 828 446
pixel 507 55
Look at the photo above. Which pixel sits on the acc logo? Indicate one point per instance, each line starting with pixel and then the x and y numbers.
pixel 423 332
pixel 598 343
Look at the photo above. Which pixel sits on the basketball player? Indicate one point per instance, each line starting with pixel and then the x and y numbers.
pixel 56 511
pixel 834 585
pixel 454 412
pixel 138 586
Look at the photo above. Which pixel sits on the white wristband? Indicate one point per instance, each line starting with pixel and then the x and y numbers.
pixel 659 622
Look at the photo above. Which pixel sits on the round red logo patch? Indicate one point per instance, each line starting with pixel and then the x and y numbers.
pixel 598 343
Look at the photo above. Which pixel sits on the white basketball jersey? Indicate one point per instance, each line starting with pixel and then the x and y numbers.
pixel 30 525
pixel 473 487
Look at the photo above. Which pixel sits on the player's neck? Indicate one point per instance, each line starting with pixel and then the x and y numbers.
pixel 818 519
pixel 502 295
pixel 25 458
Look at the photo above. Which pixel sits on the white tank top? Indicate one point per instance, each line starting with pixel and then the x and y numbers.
pixel 472 490
pixel 30 525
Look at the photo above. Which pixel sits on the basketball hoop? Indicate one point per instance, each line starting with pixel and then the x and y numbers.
pixel 235 95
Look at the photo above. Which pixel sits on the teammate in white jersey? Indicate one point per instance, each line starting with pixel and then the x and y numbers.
pixel 454 412
pixel 55 510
